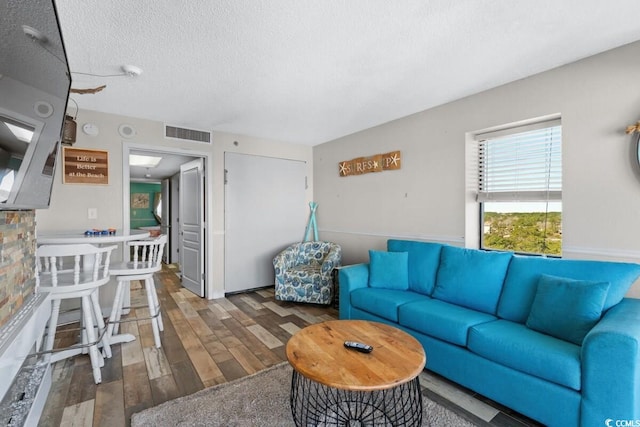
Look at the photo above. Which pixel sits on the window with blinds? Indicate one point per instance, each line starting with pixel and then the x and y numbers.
pixel 520 188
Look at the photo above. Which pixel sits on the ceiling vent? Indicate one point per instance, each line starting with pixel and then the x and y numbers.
pixel 184 134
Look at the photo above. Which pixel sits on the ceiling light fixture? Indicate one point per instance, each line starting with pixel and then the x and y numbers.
pixel 144 161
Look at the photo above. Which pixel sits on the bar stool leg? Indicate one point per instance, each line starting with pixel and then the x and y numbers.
pixel 115 310
pixel 126 290
pixel 101 325
pixel 153 310
pixel 96 357
pixel 156 303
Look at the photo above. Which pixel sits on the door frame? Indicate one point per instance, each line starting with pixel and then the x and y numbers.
pixel 207 158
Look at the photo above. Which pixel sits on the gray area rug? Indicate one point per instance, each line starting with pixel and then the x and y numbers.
pixel 261 399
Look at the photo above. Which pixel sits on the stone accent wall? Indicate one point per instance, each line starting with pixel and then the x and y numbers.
pixel 17 260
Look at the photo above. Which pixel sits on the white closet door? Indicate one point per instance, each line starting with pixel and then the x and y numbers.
pixel 265 211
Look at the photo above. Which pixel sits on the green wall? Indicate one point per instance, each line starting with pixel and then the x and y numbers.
pixel 143 216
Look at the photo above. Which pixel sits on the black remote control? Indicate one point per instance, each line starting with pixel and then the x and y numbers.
pixel 358 346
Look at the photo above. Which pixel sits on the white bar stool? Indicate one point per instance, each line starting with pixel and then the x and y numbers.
pixel 75 271
pixel 147 260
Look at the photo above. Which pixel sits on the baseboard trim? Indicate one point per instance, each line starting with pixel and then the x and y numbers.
pixel 457 241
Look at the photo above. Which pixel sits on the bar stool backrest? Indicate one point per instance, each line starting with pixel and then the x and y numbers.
pixel 147 253
pixel 72 264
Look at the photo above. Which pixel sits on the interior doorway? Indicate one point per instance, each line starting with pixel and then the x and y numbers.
pixel 163 203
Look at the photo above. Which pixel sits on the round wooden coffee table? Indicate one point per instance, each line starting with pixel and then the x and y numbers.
pixel 333 385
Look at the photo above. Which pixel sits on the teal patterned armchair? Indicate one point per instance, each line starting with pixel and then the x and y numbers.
pixel 303 272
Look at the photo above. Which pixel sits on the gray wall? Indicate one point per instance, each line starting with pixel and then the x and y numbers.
pixel 430 198
pixel 69 202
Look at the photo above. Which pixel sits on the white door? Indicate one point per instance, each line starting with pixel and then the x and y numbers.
pixel 265 211
pixel 191 220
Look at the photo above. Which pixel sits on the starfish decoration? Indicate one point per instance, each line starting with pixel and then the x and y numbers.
pixel 343 168
pixel 395 159
pixel 633 128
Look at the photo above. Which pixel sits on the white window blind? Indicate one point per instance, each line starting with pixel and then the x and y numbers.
pixel 521 164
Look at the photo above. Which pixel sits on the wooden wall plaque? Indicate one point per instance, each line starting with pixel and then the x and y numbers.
pixel 84 166
pixel 376 163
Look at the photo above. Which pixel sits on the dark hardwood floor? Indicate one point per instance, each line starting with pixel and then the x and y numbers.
pixel 206 343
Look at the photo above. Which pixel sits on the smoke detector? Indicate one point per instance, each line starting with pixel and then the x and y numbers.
pixel 131 70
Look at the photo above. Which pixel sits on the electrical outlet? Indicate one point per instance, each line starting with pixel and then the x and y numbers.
pixel 92 213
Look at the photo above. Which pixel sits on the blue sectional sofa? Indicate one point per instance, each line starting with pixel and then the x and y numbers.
pixel 554 339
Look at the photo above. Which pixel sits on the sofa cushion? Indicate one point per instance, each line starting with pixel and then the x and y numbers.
pixel 424 258
pixel 383 302
pixel 566 308
pixel 514 345
pixel 389 270
pixel 524 271
pixel 471 278
pixel 441 319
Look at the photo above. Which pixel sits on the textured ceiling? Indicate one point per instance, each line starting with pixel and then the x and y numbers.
pixel 308 71
pixel 37 64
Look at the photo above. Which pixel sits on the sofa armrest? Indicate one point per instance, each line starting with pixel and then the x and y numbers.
pixel 611 366
pixel 350 278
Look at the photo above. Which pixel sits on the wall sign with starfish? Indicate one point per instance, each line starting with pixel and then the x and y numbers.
pixel 375 163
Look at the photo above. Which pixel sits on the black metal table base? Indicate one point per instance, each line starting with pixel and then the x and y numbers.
pixel 314 404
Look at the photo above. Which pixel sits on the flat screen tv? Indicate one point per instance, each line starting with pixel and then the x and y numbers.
pixel 34 88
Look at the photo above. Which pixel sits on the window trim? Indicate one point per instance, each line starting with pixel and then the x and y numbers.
pixel 474 225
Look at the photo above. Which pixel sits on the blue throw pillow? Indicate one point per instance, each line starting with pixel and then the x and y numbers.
pixel 566 308
pixel 471 278
pixel 424 258
pixel 389 270
pixel 524 272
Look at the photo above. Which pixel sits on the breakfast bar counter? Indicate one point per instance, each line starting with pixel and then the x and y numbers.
pixel 72 237
pixel 75 237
